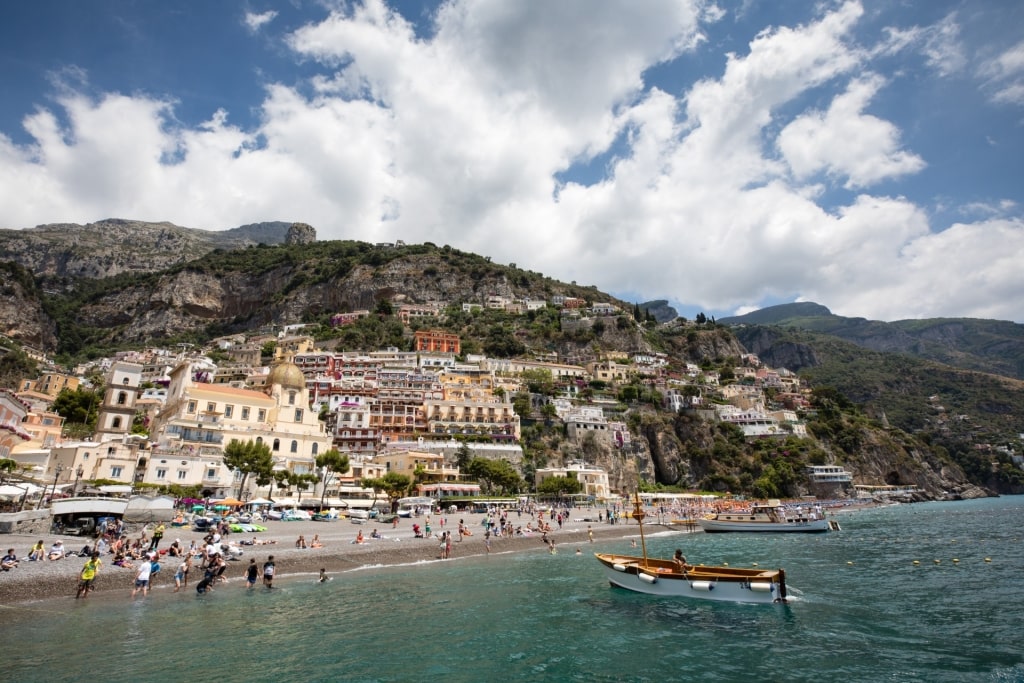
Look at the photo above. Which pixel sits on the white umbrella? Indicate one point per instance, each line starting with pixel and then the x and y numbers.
pixel 259 501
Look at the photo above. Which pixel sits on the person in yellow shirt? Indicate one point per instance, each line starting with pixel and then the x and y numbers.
pixel 88 575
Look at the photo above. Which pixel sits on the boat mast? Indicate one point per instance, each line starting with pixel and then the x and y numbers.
pixel 639 515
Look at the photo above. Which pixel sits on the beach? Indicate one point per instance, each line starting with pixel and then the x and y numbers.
pixel 44 580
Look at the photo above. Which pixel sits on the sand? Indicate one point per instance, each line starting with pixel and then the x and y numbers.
pixel 46 580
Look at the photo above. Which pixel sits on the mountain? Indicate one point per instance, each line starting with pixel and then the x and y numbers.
pixel 992 346
pixel 88 291
pixel 61 253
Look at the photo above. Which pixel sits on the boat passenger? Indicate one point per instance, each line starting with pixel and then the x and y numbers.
pixel 679 560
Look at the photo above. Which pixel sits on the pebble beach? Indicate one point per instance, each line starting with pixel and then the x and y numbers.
pixel 46 580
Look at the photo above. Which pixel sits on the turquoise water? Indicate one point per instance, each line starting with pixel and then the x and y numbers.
pixel 863 612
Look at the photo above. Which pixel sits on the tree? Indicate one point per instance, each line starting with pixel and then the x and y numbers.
pixel 248 458
pixel 560 486
pixel 392 484
pixel 331 462
pixel 302 482
pixel 521 404
pixel 79 408
pixel 6 467
pixel 495 475
pixel 462 457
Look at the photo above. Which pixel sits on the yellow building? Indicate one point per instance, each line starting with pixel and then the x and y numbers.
pixel 200 419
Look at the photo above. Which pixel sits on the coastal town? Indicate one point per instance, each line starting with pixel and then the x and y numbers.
pixel 165 418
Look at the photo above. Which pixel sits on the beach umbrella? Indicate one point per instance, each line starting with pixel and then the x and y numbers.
pixel 229 502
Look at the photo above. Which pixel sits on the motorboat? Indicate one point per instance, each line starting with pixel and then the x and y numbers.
pixel 771 517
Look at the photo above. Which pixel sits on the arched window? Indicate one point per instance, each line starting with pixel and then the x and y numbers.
pixel 259 439
pixel 291 398
pixel 295 446
pixel 122 398
pixel 115 423
pixel 277 445
pixel 316 449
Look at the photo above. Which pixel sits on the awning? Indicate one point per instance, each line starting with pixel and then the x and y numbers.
pixel 116 488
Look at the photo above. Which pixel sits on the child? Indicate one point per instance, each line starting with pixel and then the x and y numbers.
pixel 323 576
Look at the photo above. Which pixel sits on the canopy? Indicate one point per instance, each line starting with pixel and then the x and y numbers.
pixel 116 488
pixel 18 489
pixel 230 502
pixel 259 501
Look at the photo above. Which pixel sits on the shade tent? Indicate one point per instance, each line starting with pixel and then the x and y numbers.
pixel 229 502
pixel 260 501
pixel 18 489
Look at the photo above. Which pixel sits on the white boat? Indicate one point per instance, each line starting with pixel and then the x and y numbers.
pixel 768 517
pixel 415 506
pixel 653 576
pixel 662 577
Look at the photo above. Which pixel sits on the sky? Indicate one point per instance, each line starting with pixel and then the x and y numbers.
pixel 865 155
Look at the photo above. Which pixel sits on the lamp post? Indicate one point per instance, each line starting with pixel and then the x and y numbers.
pixel 53 491
pixel 78 475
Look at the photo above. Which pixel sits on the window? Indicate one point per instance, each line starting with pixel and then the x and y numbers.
pixel 261 416
pixel 115 423
pixel 291 398
pixel 295 446
pixel 245 413
pixel 277 445
pixel 115 472
pixel 182 474
pixel 191 407
pixel 211 407
pixel 122 398
pixel 161 473
pixel 229 411
pixel 316 449
pixel 298 414
pixel 211 473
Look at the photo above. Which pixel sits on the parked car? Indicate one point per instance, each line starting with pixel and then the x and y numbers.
pixel 296 516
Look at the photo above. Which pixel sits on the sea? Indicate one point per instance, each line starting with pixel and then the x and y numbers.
pixel 919 592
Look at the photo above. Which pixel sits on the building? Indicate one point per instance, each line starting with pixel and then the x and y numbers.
pixel 200 419
pixel 50 384
pixel 594 479
pixel 122 391
pixel 437 341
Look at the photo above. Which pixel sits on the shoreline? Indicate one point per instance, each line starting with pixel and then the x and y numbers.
pixel 55 580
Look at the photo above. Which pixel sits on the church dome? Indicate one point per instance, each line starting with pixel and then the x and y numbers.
pixel 287 376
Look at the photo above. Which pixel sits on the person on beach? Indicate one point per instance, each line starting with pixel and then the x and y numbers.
pixel 316 542
pixel 359 537
pixel 38 551
pixel 268 572
pixel 462 530
pixel 181 575
pixel 323 576
pixel 252 572
pixel 142 579
pixel 300 542
pixel 9 561
pixel 590 533
pixel 206 585
pixel 56 551
pixel 158 534
pixel 88 575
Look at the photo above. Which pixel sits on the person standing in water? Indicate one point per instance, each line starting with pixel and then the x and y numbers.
pixel 268 572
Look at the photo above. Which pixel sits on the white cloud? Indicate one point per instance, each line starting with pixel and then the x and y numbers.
pixel 255 22
pixel 844 141
pixel 1005 76
pixel 460 138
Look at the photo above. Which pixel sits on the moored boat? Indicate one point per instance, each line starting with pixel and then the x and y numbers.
pixel 769 517
pixel 676 578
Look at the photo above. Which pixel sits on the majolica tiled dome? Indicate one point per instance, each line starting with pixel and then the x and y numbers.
pixel 287 376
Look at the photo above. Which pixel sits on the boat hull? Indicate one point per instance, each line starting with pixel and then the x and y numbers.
pixel 816 526
pixel 657 577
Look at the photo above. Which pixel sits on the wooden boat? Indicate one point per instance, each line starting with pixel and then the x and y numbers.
pixel 768 517
pixel 664 577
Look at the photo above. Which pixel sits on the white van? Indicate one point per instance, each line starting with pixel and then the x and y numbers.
pixel 357 516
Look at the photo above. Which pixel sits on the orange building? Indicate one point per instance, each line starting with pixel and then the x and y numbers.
pixel 437 340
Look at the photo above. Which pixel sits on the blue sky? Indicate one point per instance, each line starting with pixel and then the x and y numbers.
pixel 864 155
